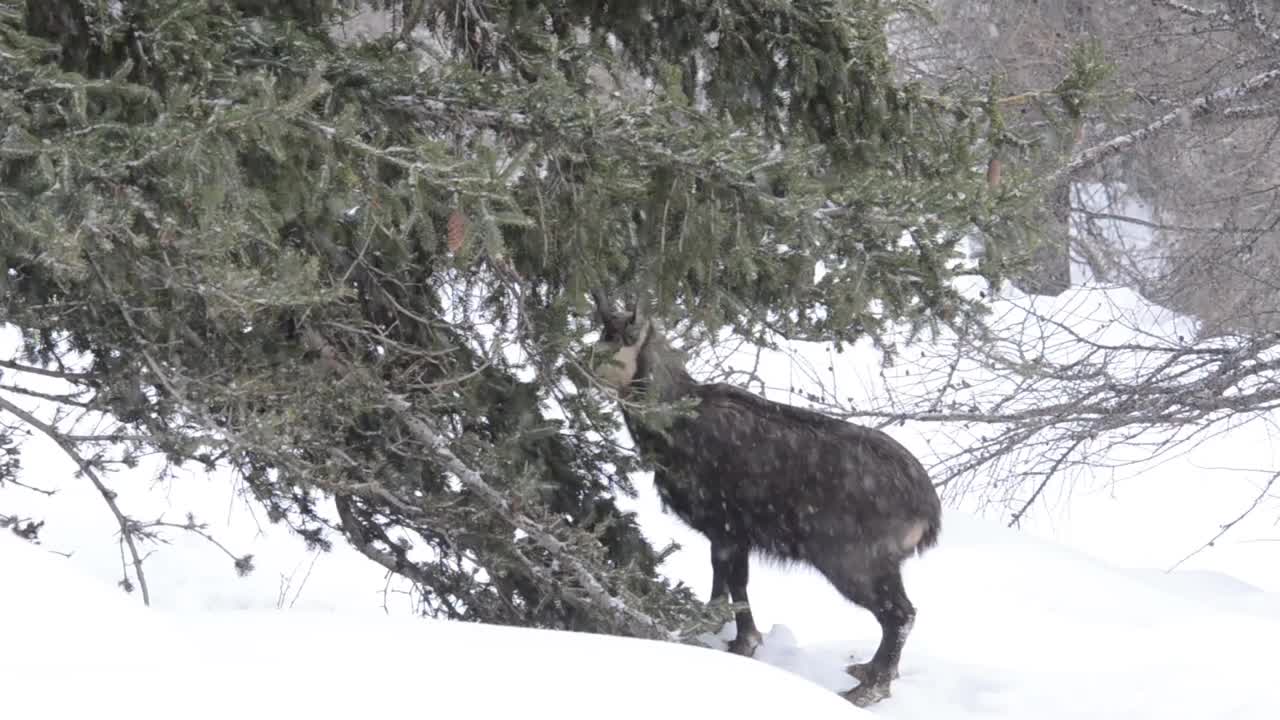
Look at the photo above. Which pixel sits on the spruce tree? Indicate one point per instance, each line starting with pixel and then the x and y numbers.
pixel 358 272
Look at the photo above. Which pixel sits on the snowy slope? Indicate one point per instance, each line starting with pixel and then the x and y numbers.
pixel 75 648
pixel 1009 627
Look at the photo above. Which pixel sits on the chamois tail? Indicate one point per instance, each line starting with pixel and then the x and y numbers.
pixel 930 537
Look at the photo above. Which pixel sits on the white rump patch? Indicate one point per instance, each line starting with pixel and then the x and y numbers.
pixel 914 534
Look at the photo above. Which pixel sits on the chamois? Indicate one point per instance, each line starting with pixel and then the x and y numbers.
pixel 752 474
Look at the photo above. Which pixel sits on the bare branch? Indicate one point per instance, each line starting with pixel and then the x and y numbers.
pixel 1249 18
pixel 32 369
pixel 32 488
pixel 1129 219
pixel 57 398
pixel 1252 112
pixel 1048 475
pixel 1185 9
pixel 1226 527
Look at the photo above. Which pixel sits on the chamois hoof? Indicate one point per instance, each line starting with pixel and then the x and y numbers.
pixel 745 644
pixel 868 693
pixel 873 683
pixel 862 672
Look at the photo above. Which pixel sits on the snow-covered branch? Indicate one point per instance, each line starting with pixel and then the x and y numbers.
pixel 1201 107
pixel 1189 10
pixel 1242 14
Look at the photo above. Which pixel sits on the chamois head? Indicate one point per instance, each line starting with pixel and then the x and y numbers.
pixel 622 337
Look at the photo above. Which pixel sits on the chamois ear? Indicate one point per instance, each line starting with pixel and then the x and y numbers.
pixel 637 309
pixel 602 305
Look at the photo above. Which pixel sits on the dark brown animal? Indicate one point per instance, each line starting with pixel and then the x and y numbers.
pixel 756 475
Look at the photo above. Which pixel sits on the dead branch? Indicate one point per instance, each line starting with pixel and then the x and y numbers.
pixel 1246 15
pixel 1047 476
pixel 1185 9
pixel 1226 527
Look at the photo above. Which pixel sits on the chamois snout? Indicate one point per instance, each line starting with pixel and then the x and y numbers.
pixel 622 336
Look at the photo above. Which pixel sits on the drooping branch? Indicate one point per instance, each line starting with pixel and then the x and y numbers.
pixel 1041 396
pixel 126 525
pixel 638 622
pixel 34 370
pixel 243 563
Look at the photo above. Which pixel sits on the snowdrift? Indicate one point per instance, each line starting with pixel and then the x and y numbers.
pixel 1009 627
pixel 77 648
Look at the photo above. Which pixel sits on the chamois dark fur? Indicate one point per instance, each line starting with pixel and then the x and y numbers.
pixel 752 474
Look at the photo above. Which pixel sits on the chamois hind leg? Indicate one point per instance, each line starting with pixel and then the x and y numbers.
pixel 729 569
pixel 886 598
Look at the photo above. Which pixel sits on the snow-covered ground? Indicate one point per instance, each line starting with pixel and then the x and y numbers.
pixel 75 649
pixel 1009 627
pixel 1074 616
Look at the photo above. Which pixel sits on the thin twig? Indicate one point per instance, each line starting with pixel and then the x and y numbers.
pixel 1048 475
pixel 60 374
pixel 1262 495
pixel 32 488
pixel 314 556
pixel 192 527
pixel 58 398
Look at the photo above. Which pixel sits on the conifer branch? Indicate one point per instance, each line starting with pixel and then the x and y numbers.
pixel 243 563
pixel 639 622
pixel 127 526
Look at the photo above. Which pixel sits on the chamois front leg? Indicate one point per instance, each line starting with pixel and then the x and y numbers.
pixel 748 638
